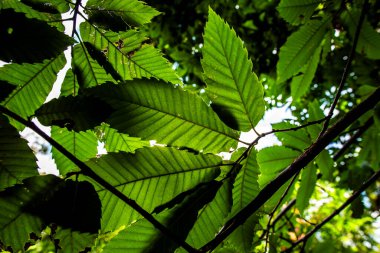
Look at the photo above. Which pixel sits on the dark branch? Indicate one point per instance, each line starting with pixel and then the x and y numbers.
pixel 354 196
pixel 293 169
pixel 346 68
pixel 353 138
pixel 87 171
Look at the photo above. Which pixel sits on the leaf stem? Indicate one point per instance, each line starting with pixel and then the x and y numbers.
pixel 87 171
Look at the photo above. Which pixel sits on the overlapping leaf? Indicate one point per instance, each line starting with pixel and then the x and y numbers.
pixel 74 241
pixel 297 11
pixel 158 111
pixel 83 145
pixel 34 82
pixel 235 91
pixel 78 113
pixel 49 6
pixel 299 47
pixel 152 177
pixel 17 161
pixel 70 85
pixel 298 139
pixel 119 15
pixel 308 181
pixel 115 141
pixel 128 56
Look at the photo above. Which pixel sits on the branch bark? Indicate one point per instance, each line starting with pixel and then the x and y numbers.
pixel 294 168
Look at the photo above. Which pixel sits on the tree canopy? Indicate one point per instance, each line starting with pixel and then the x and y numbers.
pixel 168 87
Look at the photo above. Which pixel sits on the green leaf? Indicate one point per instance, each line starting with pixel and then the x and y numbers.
pixel 33 81
pixel 88 71
pixel 369 38
pixel 17 161
pixel 115 141
pixel 299 47
pixel 235 91
pixel 300 84
pixel 273 160
pixel 211 217
pixel 141 61
pixel 50 6
pixel 73 241
pixel 158 111
pixel 298 139
pixel 152 177
pixel 70 85
pixel 143 237
pixel 119 15
pixel 246 188
pixel 75 113
pixel 24 39
pixel 83 145
pixel 297 11
pixel 308 182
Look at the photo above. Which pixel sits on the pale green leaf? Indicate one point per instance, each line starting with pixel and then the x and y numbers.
pixel 297 11
pixel 142 61
pixel 299 47
pixel 273 160
pixel 119 15
pixel 158 111
pixel 34 82
pixel 83 145
pixel 246 188
pixel 70 85
pixel 151 177
pixel 369 38
pixel 301 83
pixel 17 160
pixel 298 139
pixel 308 181
pixel 115 141
pixel 235 91
pixel 73 241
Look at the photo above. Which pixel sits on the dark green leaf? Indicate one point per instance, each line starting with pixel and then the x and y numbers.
pixel 308 182
pixel 297 11
pixel 50 6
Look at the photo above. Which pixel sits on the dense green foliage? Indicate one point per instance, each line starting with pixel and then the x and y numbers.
pixel 191 76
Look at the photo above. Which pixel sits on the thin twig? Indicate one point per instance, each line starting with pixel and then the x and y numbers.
pixel 87 171
pixel 354 196
pixel 353 138
pixel 305 158
pixel 346 68
pixel 76 10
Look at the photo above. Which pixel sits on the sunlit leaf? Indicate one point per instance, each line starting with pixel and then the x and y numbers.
pixel 158 111
pixel 151 177
pixel 83 145
pixel 141 61
pixel 235 91
pixel 70 85
pixel 300 84
pixel 115 141
pixel 308 181
pixel 17 161
pixel 119 15
pixel 298 139
pixel 300 47
pixel 73 241
pixel 33 81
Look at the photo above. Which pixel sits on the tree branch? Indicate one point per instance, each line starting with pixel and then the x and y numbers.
pixel 87 171
pixel 293 169
pixel 346 68
pixel 354 196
